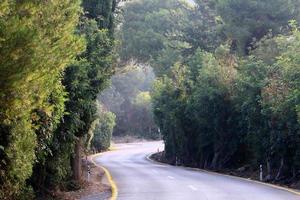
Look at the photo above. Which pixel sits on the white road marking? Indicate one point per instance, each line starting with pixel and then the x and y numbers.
pixel 171 177
pixel 193 187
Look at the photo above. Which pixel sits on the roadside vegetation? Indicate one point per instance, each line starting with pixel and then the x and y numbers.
pixel 55 57
pixel 227 89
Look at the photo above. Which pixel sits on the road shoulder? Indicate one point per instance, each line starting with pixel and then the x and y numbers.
pixel 150 158
pixel 108 177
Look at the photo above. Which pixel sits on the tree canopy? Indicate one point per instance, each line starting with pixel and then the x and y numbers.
pixel 37 43
pixel 226 94
pixel 56 56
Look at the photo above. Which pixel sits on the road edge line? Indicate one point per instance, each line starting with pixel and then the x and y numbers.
pixel 226 175
pixel 113 185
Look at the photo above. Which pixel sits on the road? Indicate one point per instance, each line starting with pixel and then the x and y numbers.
pixel 140 179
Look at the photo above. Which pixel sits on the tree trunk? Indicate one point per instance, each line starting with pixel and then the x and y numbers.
pixel 77 160
pixel 205 164
pixel 269 170
pixel 201 163
pixel 280 170
pixel 215 161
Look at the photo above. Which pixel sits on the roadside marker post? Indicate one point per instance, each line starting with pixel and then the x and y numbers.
pixel 260 173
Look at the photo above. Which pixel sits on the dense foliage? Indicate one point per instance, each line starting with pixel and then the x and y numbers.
pixel 56 56
pixel 83 80
pixel 246 21
pixel 100 134
pixel 227 93
pixel 37 41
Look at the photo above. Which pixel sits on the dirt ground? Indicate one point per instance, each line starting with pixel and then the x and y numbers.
pixel 92 189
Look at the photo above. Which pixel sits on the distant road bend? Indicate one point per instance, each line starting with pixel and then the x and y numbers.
pixel 140 179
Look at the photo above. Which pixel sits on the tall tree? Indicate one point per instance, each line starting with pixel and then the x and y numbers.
pixel 83 81
pixel 37 42
pixel 246 20
pixel 227 106
pixel 159 33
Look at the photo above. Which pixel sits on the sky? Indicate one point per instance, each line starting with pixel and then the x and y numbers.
pixel 190 1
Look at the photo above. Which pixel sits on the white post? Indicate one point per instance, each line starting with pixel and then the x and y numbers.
pixel 159 133
pixel 260 173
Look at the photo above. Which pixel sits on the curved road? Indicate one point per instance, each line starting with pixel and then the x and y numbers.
pixel 140 179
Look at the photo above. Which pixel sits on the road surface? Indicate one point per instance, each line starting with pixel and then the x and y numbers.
pixel 140 179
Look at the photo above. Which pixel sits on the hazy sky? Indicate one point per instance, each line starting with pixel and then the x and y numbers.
pixel 190 1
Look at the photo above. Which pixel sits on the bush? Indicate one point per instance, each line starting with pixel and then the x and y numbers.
pixel 102 133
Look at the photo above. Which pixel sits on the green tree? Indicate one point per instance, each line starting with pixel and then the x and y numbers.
pixel 100 136
pixel 37 42
pixel 83 81
pixel 169 97
pixel 246 20
pixel 227 92
pixel 161 32
pixel 102 11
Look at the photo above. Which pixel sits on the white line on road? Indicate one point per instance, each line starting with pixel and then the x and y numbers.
pixel 171 177
pixel 193 187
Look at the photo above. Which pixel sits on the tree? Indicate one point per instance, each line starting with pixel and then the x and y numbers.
pixel 280 102
pixel 137 33
pixel 159 33
pixel 169 101
pixel 32 35
pixel 100 136
pixel 83 80
pixel 246 20
pixel 201 27
pixel 234 104
pixel 102 11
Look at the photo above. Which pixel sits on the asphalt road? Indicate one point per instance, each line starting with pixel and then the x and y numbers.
pixel 140 179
